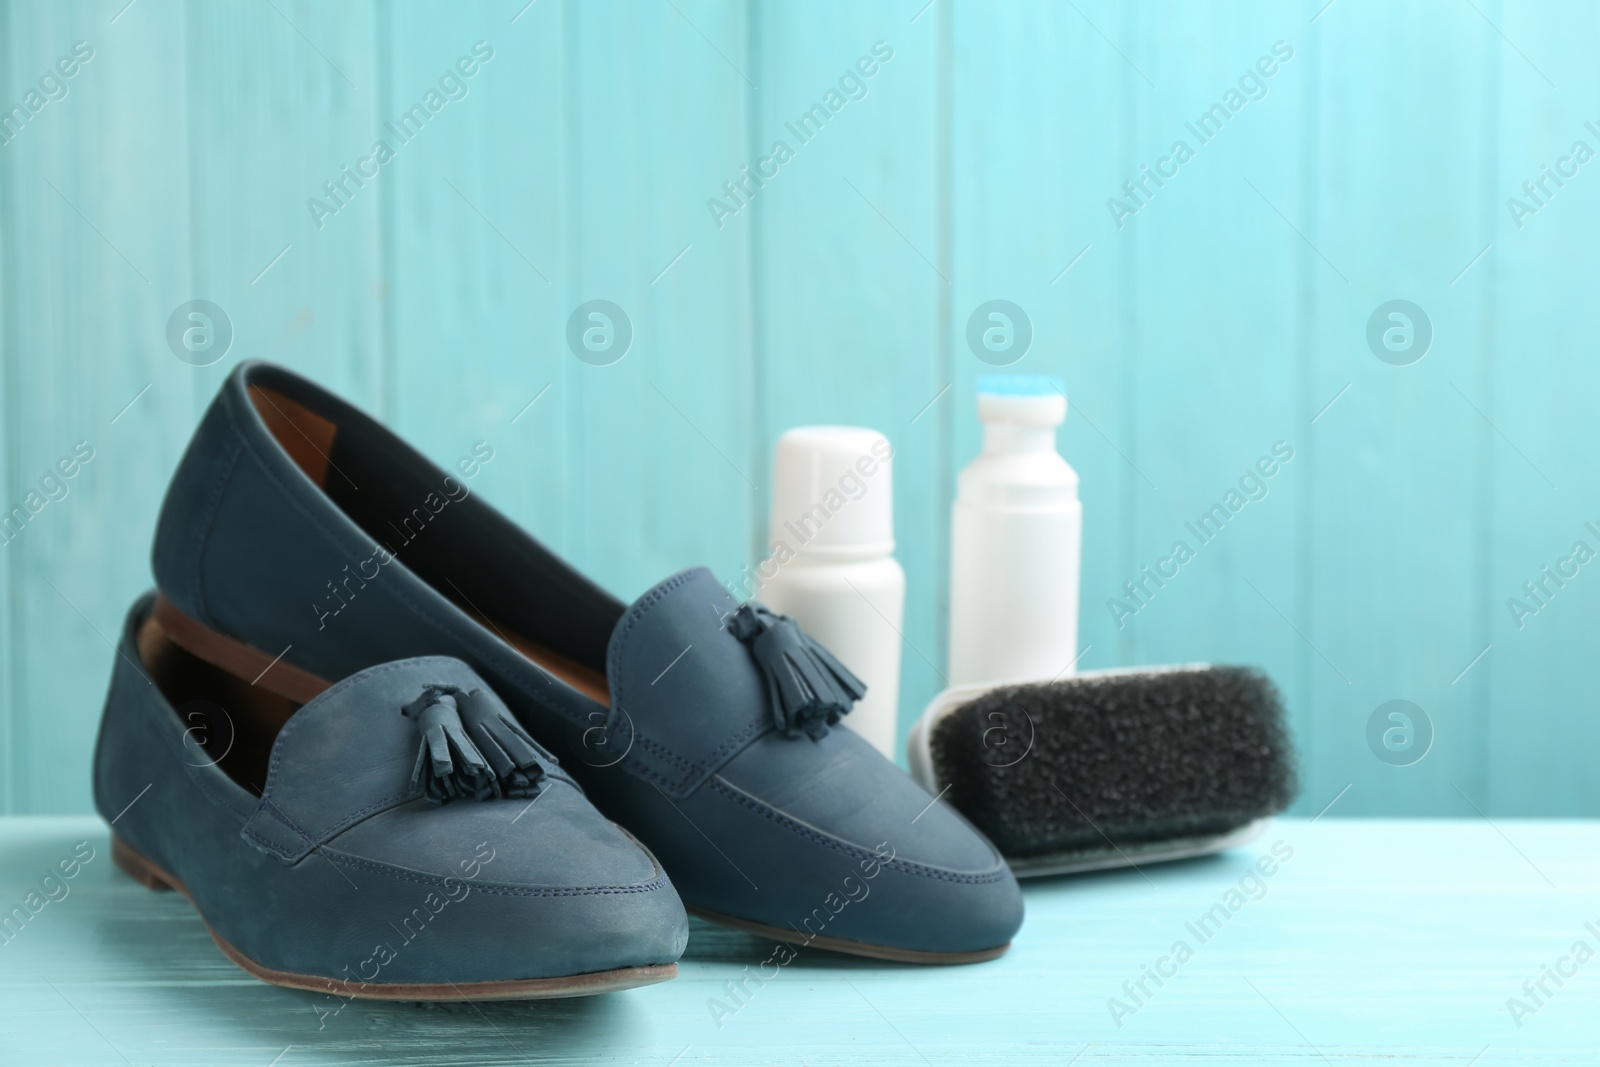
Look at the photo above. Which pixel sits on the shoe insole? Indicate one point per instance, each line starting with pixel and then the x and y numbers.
pixel 228 721
pixel 309 440
pixel 586 680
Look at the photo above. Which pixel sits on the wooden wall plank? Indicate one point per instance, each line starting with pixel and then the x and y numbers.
pixel 1223 316
pixel 1399 462
pixel 282 99
pixel 96 256
pixel 231 113
pixel 1537 282
pixel 473 252
pixel 849 274
pixel 656 107
pixel 9 785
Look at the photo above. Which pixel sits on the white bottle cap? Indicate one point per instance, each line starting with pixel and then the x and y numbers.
pixel 1021 399
pixel 832 494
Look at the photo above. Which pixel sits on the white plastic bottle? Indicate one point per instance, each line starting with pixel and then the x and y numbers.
pixel 832 568
pixel 1015 541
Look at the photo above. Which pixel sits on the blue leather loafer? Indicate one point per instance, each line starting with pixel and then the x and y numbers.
pixel 301 541
pixel 399 836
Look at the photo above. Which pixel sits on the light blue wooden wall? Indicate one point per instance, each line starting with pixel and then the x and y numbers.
pixel 1226 315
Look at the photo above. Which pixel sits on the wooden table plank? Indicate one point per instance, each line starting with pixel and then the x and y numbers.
pixel 1393 940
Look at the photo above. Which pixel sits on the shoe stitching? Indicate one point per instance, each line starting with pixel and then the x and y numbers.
pixel 665 753
pixel 202 535
pixel 496 889
pixel 678 787
pixel 636 613
pixel 275 812
pixel 904 866
pixel 694 772
pixel 349 817
pixel 296 720
pixel 613 661
pixel 756 727
pixel 269 845
pixel 636 766
pixel 157 718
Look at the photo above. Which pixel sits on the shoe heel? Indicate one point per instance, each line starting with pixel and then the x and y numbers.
pixel 136 866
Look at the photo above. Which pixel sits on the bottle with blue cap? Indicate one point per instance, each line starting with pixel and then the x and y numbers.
pixel 1016 541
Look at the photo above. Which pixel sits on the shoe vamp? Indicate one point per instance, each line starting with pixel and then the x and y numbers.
pixel 554 841
pixel 843 787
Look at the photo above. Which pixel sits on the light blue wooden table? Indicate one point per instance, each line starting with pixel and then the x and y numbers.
pixel 1394 940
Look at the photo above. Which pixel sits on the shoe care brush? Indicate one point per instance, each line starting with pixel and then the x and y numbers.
pixel 1110 768
pixel 1090 770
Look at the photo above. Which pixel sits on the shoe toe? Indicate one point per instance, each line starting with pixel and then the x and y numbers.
pixel 517 890
pixel 922 880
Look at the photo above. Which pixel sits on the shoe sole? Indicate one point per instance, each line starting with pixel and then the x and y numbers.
pixel 854 948
pixel 151 876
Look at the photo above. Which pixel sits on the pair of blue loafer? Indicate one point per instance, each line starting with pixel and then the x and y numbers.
pixel 391 746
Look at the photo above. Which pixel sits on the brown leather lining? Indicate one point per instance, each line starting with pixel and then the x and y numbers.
pixel 308 439
pixel 305 435
pixel 286 680
pixel 264 669
pixel 586 680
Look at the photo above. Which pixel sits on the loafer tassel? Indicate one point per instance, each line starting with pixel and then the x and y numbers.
pixel 808 688
pixel 451 763
pixel 511 753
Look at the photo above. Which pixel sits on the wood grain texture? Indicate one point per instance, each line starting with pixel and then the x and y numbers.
pixel 473 246
pixel 849 275
pixel 1227 313
pixel 97 255
pixel 1374 941
pixel 664 474
pixel 1537 395
pixel 1424 545
pixel 1033 186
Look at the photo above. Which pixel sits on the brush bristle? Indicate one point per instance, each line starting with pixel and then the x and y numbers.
pixel 1133 757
